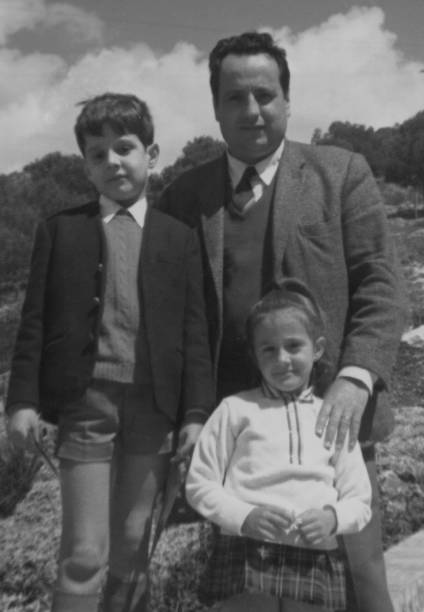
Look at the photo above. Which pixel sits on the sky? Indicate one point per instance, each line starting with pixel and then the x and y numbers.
pixel 358 62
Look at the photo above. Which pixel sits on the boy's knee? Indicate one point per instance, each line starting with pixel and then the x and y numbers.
pixel 82 571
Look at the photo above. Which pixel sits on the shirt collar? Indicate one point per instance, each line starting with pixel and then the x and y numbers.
pixel 109 208
pixel 266 168
pixel 305 396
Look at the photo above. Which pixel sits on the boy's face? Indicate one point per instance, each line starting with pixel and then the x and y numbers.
pixel 118 165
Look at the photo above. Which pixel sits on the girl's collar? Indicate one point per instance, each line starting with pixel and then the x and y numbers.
pixel 305 396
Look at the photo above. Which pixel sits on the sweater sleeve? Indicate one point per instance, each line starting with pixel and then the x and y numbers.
pixel 353 507
pixel 205 489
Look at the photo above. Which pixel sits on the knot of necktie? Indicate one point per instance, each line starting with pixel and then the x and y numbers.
pixel 245 183
pixel 243 197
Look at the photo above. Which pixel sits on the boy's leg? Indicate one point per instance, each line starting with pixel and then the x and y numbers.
pixel 364 551
pixel 84 544
pixel 251 602
pixel 138 480
pixel 288 605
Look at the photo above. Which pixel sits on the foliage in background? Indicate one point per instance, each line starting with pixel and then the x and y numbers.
pixel 394 153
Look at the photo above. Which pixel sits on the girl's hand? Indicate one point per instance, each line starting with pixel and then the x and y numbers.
pixel 316 525
pixel 267 523
pixel 23 426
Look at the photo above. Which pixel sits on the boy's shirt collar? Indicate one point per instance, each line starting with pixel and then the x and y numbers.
pixel 109 208
pixel 266 168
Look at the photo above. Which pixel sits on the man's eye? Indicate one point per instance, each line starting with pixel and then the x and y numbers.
pixel 124 149
pixel 263 97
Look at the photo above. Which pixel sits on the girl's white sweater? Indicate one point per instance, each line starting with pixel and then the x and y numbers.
pixel 257 451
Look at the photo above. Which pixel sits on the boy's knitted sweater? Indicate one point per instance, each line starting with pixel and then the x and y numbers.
pixel 256 451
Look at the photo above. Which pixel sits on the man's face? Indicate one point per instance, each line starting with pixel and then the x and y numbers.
pixel 251 108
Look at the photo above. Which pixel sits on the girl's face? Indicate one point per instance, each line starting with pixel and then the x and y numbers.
pixel 285 352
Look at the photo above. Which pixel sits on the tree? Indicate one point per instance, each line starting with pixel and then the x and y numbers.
pixel 195 152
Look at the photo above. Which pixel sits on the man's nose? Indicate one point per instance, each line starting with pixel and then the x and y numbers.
pixel 252 106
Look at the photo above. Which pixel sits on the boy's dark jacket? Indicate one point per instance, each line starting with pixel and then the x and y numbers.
pixel 56 344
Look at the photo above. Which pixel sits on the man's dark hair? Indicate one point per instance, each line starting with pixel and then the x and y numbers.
pixel 124 113
pixel 248 43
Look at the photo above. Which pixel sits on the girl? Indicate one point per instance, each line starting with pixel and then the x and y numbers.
pixel 260 473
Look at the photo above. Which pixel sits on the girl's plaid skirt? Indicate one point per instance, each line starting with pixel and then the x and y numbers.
pixel 239 564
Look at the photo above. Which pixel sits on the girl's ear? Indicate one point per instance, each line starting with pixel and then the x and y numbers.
pixel 319 348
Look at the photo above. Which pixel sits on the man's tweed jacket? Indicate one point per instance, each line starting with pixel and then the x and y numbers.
pixel 329 229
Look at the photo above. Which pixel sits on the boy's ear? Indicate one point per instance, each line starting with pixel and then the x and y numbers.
pixel 319 348
pixel 87 171
pixel 153 153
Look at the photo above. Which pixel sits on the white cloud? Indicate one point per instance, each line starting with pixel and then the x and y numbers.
pixel 16 15
pixel 347 68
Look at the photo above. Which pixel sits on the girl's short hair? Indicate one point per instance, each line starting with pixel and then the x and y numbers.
pixel 289 293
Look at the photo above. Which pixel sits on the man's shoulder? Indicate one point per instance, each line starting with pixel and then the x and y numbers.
pixel 197 176
pixel 320 154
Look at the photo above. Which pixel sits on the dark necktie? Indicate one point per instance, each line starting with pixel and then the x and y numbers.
pixel 243 197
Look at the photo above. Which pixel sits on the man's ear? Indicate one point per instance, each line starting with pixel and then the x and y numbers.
pixel 153 153
pixel 288 109
pixel 319 348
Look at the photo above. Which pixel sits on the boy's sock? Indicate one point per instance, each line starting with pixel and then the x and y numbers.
pixel 69 602
pixel 125 596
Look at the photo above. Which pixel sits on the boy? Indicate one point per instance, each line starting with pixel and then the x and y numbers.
pixel 113 347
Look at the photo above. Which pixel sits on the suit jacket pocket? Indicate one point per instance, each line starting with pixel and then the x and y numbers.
pixel 320 228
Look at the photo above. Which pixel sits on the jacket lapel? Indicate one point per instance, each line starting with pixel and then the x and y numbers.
pixel 286 204
pixel 212 223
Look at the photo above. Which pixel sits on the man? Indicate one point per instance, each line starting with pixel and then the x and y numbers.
pixel 271 208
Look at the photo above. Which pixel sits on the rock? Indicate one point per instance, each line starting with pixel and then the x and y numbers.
pixel 414 337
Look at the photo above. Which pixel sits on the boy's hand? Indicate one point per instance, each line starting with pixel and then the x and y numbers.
pixel 187 438
pixel 316 525
pixel 23 426
pixel 267 523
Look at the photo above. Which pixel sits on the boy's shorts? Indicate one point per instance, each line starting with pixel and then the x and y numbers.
pixel 109 416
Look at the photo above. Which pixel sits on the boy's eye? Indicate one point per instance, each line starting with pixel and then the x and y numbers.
pixel 97 156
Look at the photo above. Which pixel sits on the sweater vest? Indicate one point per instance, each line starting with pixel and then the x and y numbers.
pixel 247 265
pixel 122 354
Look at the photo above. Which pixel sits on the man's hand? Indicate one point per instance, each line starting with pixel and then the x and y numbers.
pixel 341 412
pixel 267 523
pixel 187 438
pixel 23 426
pixel 316 525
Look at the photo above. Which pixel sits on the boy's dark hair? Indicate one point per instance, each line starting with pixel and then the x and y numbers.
pixel 289 293
pixel 124 113
pixel 248 43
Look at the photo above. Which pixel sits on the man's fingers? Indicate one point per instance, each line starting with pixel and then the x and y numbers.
pixel 323 416
pixel 344 427
pixel 354 430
